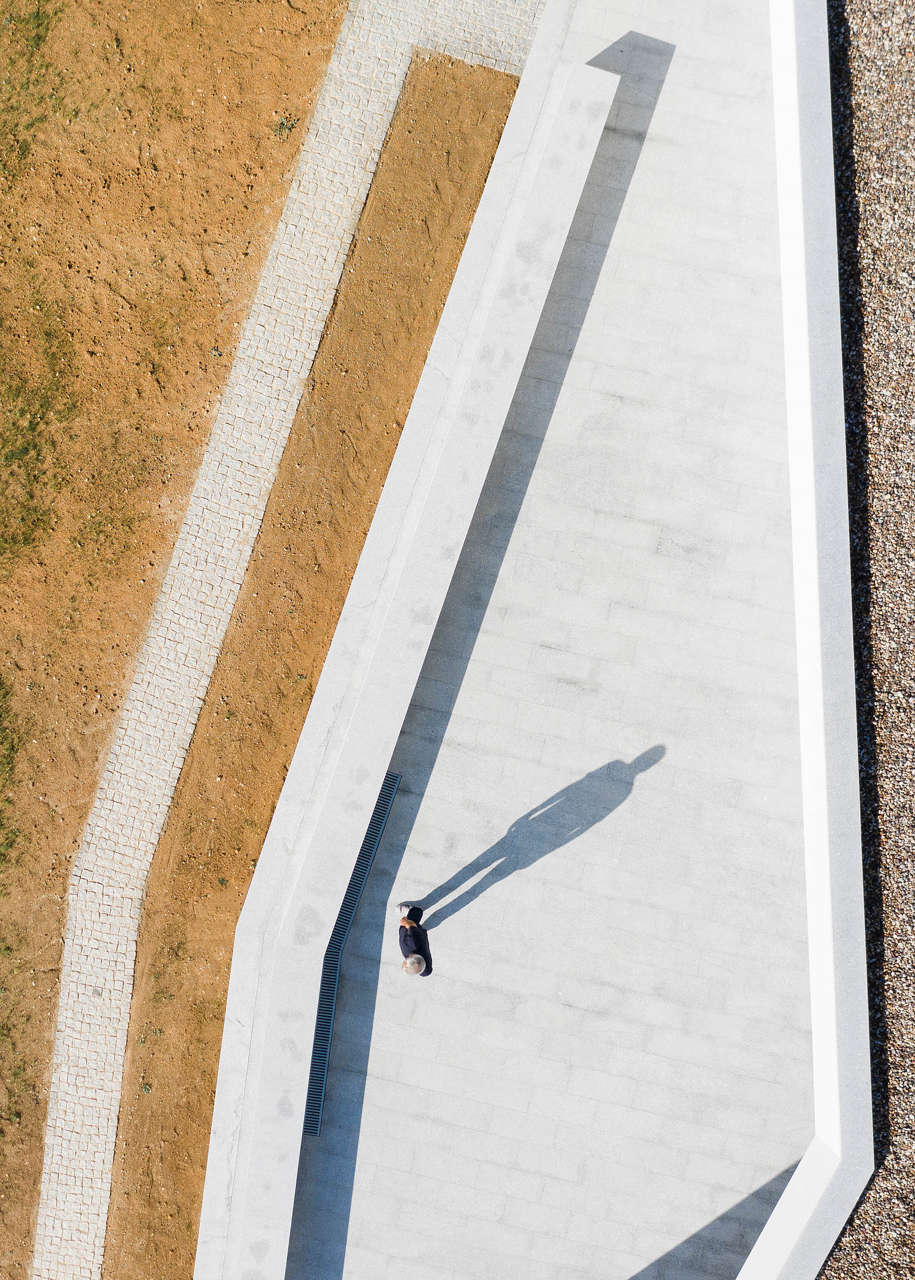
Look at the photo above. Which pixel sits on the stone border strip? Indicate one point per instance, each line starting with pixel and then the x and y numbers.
pixel 278 343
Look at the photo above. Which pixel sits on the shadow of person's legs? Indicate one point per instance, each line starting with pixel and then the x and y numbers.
pixel 501 849
pixel 493 877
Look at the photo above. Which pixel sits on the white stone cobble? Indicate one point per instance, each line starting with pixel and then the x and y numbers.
pixel 277 346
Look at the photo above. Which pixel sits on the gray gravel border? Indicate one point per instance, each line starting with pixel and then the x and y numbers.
pixel 872 48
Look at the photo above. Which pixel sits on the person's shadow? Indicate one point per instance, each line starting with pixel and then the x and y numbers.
pixel 541 830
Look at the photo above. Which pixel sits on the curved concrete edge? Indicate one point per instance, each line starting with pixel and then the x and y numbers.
pixel 839 1162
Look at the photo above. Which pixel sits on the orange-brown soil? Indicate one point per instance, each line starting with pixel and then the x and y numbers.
pixel 397 277
pixel 144 158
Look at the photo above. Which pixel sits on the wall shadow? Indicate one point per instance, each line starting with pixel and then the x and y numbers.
pixel 719 1250
pixel 548 826
pixel 327 1164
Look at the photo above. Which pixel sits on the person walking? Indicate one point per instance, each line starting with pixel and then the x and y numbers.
pixel 414 941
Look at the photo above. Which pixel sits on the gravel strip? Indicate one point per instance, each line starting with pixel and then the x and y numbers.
pixel 873 64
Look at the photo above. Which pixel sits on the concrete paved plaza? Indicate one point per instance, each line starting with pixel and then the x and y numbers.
pixel 608 1074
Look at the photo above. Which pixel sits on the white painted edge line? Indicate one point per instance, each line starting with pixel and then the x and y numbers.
pixel 836 1167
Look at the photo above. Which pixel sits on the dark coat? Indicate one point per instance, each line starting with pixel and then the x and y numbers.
pixel 414 940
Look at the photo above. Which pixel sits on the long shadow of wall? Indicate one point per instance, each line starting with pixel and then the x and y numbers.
pixel 327 1164
pixel 320 1222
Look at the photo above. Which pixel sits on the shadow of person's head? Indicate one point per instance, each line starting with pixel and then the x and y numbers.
pixel 628 770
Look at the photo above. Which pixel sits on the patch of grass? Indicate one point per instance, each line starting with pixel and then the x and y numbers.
pixel 284 126
pixel 35 356
pixel 29 87
pixel 107 532
pixel 177 949
pixel 9 746
pixel 17 1088
pixel 33 405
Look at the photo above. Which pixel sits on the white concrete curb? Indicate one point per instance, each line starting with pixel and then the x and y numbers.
pixel 834 1171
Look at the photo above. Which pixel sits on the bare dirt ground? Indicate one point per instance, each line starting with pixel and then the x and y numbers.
pixel 144 158
pixel 397 277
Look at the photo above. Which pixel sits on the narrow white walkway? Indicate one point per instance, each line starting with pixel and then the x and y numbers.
pixel 278 344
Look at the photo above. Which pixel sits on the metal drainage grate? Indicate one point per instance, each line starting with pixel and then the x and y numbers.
pixel 330 971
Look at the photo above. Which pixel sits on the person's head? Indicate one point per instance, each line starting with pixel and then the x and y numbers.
pixel 413 964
